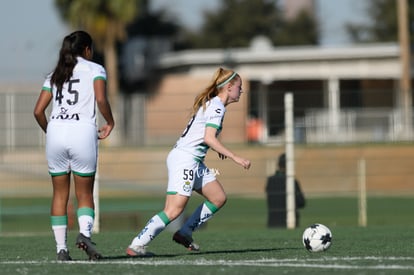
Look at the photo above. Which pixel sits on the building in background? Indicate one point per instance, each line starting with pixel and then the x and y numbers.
pixel 341 94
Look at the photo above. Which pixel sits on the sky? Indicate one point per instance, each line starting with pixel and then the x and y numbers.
pixel 188 12
pixel 333 16
pixel 31 36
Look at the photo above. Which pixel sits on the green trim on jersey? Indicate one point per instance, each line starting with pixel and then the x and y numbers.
pixel 99 78
pixel 172 193
pixel 58 220
pixel 198 159
pixel 84 174
pixel 203 148
pixel 213 125
pixel 47 89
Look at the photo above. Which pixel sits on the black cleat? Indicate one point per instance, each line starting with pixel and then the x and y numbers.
pixel 186 241
pixel 63 255
pixel 88 246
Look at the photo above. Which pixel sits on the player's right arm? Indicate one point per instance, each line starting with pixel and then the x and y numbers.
pixel 39 111
pixel 104 107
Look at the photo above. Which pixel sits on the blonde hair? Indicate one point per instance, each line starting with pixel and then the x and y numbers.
pixel 220 79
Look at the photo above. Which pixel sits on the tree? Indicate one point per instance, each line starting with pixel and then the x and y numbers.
pixel 382 25
pixel 237 22
pixel 302 30
pixel 149 35
pixel 106 21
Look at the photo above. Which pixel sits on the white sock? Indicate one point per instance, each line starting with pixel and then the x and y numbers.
pixel 154 227
pixel 60 237
pixel 85 225
pixel 59 227
pixel 86 217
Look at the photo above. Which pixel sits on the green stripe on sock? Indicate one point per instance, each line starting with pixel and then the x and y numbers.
pixel 164 218
pixel 59 220
pixel 211 206
pixel 86 211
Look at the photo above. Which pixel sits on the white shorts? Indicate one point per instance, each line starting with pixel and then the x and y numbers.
pixel 185 174
pixel 71 147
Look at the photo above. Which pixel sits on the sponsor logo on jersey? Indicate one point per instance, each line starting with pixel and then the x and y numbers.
pixel 65 116
pixel 215 116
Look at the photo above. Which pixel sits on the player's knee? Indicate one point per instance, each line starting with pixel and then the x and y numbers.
pixel 172 214
pixel 223 201
pixel 220 201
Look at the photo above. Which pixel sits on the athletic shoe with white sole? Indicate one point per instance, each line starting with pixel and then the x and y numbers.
pixel 63 255
pixel 186 241
pixel 138 251
pixel 88 246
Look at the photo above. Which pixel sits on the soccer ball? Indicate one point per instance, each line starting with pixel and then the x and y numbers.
pixel 317 238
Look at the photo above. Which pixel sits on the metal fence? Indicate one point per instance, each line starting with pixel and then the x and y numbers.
pixel 18 128
pixel 17 125
pixel 134 167
pixel 352 126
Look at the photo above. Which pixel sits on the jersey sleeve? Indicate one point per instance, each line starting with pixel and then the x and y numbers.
pixel 99 73
pixel 46 85
pixel 214 116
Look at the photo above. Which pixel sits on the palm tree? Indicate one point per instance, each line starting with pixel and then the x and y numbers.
pixel 106 21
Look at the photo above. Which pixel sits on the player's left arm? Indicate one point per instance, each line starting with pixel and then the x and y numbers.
pixel 212 141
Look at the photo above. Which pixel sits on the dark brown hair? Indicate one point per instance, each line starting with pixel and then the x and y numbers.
pixel 73 45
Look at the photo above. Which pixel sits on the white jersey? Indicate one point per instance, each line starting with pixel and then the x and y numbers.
pixel 76 101
pixel 192 139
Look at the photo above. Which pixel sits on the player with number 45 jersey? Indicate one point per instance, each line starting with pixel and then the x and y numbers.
pixel 75 87
pixel 186 168
pixel 75 101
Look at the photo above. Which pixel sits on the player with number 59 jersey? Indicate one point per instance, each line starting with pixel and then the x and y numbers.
pixel 192 139
pixel 186 169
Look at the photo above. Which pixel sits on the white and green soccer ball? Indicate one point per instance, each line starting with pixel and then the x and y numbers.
pixel 317 238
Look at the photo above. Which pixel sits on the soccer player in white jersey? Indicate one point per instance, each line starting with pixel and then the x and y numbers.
pixel 186 169
pixel 76 86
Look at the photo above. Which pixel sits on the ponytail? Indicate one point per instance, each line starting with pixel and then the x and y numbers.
pixel 220 79
pixel 73 45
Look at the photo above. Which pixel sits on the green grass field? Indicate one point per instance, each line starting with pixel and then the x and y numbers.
pixel 236 241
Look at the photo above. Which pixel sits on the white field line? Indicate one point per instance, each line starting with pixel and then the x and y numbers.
pixel 374 263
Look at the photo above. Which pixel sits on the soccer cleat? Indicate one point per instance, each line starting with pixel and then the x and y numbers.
pixel 63 255
pixel 88 246
pixel 138 251
pixel 186 241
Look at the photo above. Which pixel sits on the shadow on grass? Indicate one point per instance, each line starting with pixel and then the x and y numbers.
pixel 229 251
